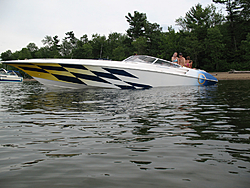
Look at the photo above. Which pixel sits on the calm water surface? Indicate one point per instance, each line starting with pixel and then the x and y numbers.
pixel 160 137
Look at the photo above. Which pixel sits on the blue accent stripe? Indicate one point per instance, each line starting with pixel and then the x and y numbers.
pixel 120 72
pixel 90 77
pixel 68 79
pixel 105 75
pixel 209 76
pixel 33 69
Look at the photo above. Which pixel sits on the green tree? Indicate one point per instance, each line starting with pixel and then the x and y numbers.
pixel 24 54
pixel 117 45
pixel 99 44
pixel 141 28
pixel 83 48
pixel 169 43
pixel 198 20
pixel 32 48
pixel 137 24
pixel 47 41
pixel 56 47
pixel 118 53
pixel 245 50
pixel 84 39
pixel 140 45
pixel 69 43
pixel 245 9
pixel 235 29
pixel 7 55
pixel 238 19
pixel 194 48
pixel 83 52
pixel 214 49
pixel 153 35
pixel 194 30
pixel 51 48
pixel 43 52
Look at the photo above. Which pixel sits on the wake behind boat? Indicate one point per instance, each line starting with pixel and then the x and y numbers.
pixel 135 72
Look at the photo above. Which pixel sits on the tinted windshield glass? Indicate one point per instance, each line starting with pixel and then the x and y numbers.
pixel 166 63
pixel 147 59
pixel 141 58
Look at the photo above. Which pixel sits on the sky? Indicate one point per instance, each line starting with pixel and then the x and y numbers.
pixel 26 21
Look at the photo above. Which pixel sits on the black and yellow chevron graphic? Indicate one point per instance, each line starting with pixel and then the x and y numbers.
pixel 78 74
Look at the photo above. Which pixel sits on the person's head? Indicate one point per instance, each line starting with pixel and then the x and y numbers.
pixel 180 54
pixel 188 58
pixel 175 54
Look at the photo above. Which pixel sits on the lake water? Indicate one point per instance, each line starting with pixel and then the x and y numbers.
pixel 161 137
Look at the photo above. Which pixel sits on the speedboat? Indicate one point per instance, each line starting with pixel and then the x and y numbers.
pixel 135 72
pixel 9 76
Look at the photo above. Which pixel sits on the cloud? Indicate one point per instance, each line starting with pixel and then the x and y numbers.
pixel 28 21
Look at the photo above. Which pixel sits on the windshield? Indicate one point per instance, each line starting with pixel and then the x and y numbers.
pixel 141 58
pixel 166 63
pixel 151 60
pixel 11 73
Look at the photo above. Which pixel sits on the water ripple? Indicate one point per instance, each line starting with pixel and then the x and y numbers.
pixel 174 135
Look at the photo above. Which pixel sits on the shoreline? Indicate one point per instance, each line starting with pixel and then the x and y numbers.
pixel 230 76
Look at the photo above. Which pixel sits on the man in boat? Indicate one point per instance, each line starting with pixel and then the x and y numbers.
pixel 181 60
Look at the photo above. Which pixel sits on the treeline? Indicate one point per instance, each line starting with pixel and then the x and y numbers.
pixel 213 41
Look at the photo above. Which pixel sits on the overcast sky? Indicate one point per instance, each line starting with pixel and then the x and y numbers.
pixel 25 21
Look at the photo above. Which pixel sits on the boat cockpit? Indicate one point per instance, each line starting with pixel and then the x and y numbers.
pixel 151 60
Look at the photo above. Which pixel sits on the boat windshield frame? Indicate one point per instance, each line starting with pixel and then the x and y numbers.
pixel 3 72
pixel 151 60
pixel 12 73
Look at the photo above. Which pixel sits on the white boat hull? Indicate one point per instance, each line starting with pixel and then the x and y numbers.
pixel 70 73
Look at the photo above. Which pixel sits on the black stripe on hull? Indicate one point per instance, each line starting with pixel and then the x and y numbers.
pixel 125 86
pixel 105 75
pixel 90 77
pixel 52 68
pixel 68 79
pixel 139 85
pixel 73 66
pixel 120 72
pixel 33 69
